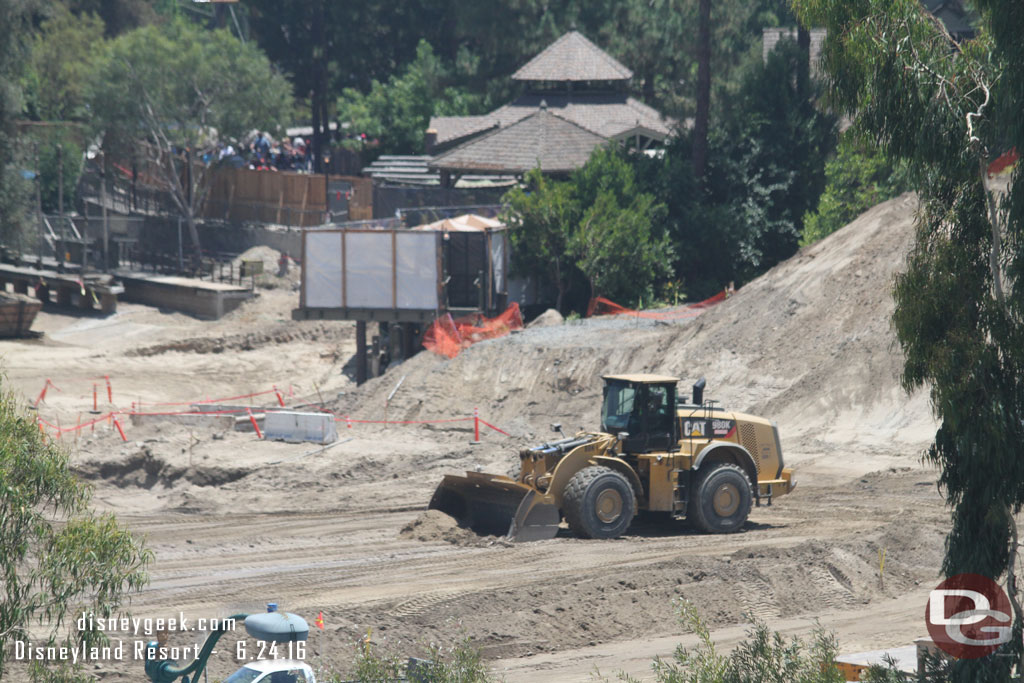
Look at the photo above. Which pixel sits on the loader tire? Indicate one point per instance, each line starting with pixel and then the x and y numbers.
pixel 598 503
pixel 721 501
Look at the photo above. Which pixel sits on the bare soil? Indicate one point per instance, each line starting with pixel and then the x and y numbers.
pixel 236 522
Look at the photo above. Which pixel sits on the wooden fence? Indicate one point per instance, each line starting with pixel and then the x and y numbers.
pixel 241 194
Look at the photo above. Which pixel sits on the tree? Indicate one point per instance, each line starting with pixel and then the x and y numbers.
pixel 118 16
pixel 540 214
pixel 63 54
pixel 64 51
pixel 164 92
pixel 857 178
pixel 16 22
pixel 765 170
pixel 398 111
pixel 597 225
pixel 700 123
pixel 57 558
pixel 945 109
pixel 619 242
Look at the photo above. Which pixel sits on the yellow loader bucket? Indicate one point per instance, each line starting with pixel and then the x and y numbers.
pixel 495 505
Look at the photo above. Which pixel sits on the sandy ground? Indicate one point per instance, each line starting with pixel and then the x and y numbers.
pixel 236 522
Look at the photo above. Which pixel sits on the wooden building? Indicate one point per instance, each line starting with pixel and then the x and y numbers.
pixel 575 98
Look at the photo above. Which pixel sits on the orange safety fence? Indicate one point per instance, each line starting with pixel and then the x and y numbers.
pixel 447 336
pixel 601 306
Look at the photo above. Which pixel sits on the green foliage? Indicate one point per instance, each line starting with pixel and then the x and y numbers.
pixel 118 16
pixel 179 83
pixel 541 213
pixel 857 178
pixel 767 161
pixel 618 242
pixel 458 663
pixel 764 657
pixel 57 558
pixel 765 170
pixel 945 109
pixel 398 111
pixel 597 225
pixel 70 156
pixel 16 21
pixel 163 89
pixel 63 54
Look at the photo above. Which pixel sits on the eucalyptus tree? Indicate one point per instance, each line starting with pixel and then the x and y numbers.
pixel 947 108
pixel 57 557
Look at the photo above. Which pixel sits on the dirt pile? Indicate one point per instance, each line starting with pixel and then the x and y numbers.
pixel 434 525
pixel 808 344
pixel 548 318
pixel 272 278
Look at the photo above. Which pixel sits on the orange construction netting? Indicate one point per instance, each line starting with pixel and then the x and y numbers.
pixel 602 306
pixel 448 336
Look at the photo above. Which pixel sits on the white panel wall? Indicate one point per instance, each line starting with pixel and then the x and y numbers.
pixel 368 276
pixel 416 260
pixel 322 270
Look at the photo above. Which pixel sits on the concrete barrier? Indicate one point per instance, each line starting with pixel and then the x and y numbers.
pixel 296 427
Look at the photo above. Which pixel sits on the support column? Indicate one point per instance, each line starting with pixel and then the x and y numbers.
pixel 108 303
pixel 408 335
pixel 360 351
pixel 43 293
pixel 64 296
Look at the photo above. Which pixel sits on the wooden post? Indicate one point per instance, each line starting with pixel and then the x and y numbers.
pixel 231 198
pixel 280 204
pixel 305 196
pixel 360 351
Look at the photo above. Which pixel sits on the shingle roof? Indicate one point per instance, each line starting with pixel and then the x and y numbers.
pixel 572 58
pixel 607 114
pixel 540 139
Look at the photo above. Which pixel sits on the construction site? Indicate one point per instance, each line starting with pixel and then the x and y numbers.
pixel 162 413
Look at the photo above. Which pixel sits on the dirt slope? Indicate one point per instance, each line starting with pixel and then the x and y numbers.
pixel 809 344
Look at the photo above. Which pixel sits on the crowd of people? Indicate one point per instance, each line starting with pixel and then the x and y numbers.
pixel 263 153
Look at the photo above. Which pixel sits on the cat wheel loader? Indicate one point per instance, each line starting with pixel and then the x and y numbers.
pixel 692 461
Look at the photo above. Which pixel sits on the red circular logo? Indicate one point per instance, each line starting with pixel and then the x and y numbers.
pixel 968 616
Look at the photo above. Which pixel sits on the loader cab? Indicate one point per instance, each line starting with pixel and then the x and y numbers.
pixel 644 407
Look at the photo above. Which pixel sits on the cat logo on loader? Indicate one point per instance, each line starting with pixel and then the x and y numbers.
pixel 692 461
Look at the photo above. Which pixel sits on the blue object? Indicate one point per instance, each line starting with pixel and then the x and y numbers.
pixel 27 174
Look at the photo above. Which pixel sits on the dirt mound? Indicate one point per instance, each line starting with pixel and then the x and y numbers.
pixel 434 525
pixel 548 318
pixel 271 259
pixel 281 333
pixel 808 344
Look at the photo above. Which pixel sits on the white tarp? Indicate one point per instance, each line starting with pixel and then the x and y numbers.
pixel 498 260
pixel 322 270
pixel 416 260
pixel 368 276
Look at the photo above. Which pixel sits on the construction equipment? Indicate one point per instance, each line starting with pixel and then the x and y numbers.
pixel 692 461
